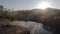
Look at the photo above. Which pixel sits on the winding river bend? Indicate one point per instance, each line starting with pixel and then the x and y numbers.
pixel 33 27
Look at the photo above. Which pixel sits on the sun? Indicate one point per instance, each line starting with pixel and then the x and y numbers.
pixel 44 5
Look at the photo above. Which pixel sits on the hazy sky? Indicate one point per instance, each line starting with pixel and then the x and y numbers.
pixel 27 4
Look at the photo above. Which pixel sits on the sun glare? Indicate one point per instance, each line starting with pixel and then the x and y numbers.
pixel 44 5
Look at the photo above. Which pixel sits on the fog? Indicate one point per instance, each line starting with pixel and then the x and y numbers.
pixel 33 27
